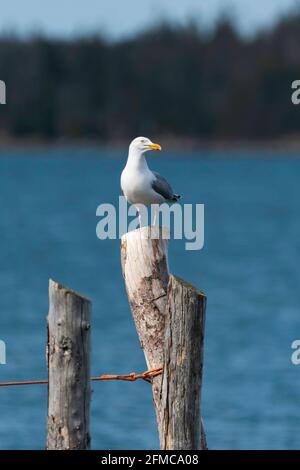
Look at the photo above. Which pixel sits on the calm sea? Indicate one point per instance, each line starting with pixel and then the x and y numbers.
pixel 249 269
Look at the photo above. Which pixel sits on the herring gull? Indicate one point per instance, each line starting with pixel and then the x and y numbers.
pixel 139 184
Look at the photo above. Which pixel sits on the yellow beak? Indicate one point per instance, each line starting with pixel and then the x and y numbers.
pixel 154 146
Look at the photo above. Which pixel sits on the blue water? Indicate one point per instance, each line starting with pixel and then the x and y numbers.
pixel 249 269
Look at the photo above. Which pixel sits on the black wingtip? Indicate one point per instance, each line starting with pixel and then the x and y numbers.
pixel 176 197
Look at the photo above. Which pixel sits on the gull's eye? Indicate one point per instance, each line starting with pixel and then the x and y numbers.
pixel 143 141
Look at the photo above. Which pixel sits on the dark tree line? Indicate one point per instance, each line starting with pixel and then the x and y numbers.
pixel 171 81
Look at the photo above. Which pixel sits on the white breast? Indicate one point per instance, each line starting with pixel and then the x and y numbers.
pixel 137 187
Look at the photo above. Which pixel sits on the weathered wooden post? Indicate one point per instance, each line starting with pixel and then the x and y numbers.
pixel 68 353
pixel 169 317
pixel 146 275
pixel 183 362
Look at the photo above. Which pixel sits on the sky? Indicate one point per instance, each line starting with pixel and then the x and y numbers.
pixel 119 18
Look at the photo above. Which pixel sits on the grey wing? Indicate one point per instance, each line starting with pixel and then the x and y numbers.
pixel 162 187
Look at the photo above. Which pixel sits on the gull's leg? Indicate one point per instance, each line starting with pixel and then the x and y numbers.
pixel 140 218
pixel 155 216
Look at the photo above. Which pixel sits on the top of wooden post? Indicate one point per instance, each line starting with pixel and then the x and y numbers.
pixel 56 286
pixel 148 233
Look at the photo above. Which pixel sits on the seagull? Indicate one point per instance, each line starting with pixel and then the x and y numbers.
pixel 139 184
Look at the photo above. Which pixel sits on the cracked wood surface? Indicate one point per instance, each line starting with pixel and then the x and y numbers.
pixel 68 355
pixel 169 318
pixel 183 363
pixel 146 274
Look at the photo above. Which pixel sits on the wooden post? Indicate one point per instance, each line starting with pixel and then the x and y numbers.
pixel 146 275
pixel 161 315
pixel 183 362
pixel 68 353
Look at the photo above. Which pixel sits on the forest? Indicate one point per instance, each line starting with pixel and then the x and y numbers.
pixel 171 81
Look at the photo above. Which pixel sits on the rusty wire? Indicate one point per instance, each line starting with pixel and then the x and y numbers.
pixel 148 375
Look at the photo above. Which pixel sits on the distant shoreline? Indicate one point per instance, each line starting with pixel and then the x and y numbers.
pixel 290 144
